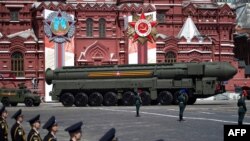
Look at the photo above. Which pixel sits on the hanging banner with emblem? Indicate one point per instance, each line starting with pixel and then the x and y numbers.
pixel 59 29
pixel 142 35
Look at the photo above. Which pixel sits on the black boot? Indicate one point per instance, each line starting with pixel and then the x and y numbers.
pixel 137 114
pixel 180 118
pixel 239 122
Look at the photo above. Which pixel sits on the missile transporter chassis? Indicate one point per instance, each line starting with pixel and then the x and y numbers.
pixel 158 83
pixel 13 96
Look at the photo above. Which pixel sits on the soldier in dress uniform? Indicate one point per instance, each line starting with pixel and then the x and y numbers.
pixel 3 124
pixel 17 131
pixel 242 107
pixel 109 136
pixel 35 126
pixel 182 103
pixel 138 102
pixel 75 131
pixel 52 127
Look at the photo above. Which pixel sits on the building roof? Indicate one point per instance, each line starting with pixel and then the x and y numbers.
pixel 74 4
pixel 24 34
pixel 242 64
pixel 189 30
pixel 247 70
pixel 243 16
pixel 163 36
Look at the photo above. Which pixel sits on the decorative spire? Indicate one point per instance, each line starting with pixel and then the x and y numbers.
pixel 189 30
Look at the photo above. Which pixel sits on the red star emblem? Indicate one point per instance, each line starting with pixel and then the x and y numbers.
pixel 143 28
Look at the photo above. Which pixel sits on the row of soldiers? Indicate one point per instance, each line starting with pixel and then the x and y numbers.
pixel 18 133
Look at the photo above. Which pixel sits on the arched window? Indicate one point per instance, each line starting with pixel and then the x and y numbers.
pixel 89 23
pixel 17 64
pixel 170 57
pixel 102 27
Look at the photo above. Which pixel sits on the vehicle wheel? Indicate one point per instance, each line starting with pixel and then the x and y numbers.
pixel 110 99
pixel 154 102
pixel 191 100
pixel 28 102
pixel 36 104
pixel 95 99
pixel 67 99
pixel 145 97
pixel 81 99
pixel 5 101
pixel 128 98
pixel 14 104
pixel 165 98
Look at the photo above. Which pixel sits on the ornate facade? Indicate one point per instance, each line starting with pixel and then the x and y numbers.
pixel 101 36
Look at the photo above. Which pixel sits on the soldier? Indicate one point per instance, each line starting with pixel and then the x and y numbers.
pixel 35 126
pixel 52 127
pixel 242 107
pixel 109 136
pixel 75 131
pixel 17 131
pixel 3 124
pixel 182 103
pixel 138 102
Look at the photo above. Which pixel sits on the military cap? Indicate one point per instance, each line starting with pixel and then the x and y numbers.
pixel 183 90
pixel 75 127
pixel 34 119
pixel 2 109
pixel 108 136
pixel 18 113
pixel 51 121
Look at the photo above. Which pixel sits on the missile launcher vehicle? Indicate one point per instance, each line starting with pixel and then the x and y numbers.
pixel 158 83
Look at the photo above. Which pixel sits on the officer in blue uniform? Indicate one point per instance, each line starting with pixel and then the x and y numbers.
pixel 75 131
pixel 35 124
pixel 109 136
pixel 242 107
pixel 17 132
pixel 3 124
pixel 182 103
pixel 138 102
pixel 52 127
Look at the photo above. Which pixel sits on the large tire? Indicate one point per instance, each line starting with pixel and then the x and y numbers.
pixel 145 97
pixel 13 104
pixel 128 98
pixel 191 100
pixel 110 99
pixel 67 99
pixel 154 102
pixel 5 101
pixel 28 102
pixel 165 98
pixel 37 104
pixel 95 99
pixel 81 99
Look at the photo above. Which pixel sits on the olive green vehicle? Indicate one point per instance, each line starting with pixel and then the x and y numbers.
pixel 13 96
pixel 159 83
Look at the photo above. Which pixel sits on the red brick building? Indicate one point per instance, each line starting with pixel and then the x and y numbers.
pixel 188 30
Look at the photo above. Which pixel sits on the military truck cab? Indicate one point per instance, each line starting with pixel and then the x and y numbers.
pixel 13 96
